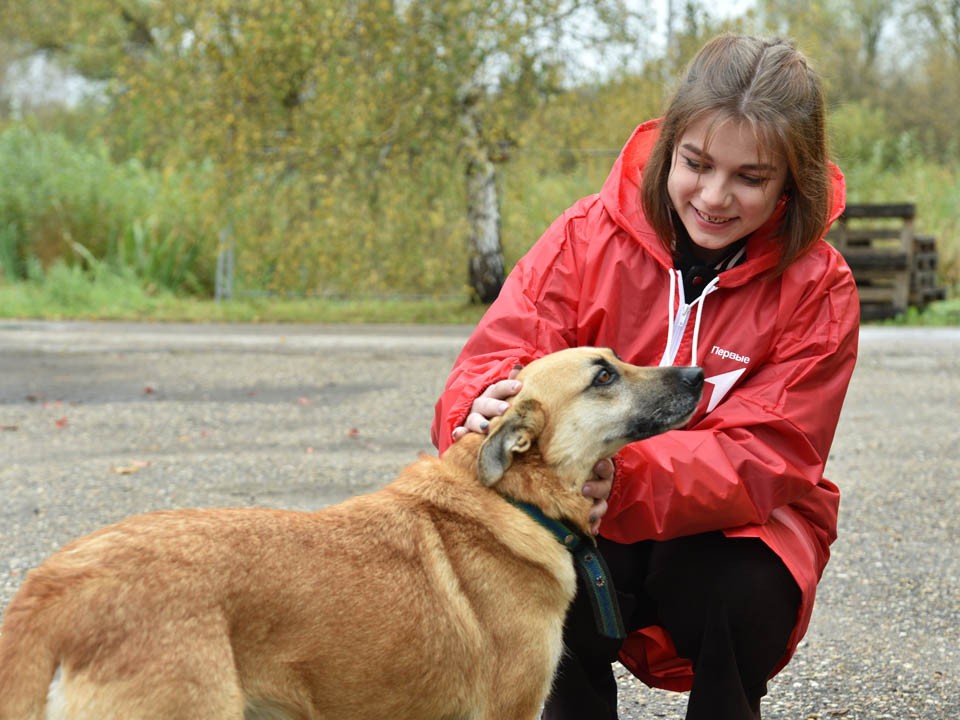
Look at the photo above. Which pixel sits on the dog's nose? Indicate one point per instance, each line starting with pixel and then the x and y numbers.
pixel 692 377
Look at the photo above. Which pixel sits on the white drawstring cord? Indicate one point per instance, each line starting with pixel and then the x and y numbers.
pixel 669 351
pixel 710 287
pixel 666 359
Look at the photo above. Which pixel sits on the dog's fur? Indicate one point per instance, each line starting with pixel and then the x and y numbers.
pixel 432 598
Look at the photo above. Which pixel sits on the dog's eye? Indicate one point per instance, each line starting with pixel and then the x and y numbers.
pixel 604 376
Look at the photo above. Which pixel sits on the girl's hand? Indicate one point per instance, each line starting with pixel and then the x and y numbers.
pixel 491 403
pixel 599 489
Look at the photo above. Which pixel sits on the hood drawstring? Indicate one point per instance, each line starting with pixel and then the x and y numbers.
pixel 709 288
pixel 677 323
pixel 669 351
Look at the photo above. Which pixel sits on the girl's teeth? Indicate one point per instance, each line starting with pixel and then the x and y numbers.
pixel 712 219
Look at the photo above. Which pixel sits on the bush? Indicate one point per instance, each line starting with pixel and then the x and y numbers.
pixel 860 135
pixel 61 201
pixel 397 230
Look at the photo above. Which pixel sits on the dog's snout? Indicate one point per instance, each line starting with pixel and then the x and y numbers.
pixel 692 377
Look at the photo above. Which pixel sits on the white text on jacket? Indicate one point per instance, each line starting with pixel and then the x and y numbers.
pixel 730 355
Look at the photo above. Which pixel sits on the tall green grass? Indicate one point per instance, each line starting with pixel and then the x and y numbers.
pixel 72 291
pixel 69 202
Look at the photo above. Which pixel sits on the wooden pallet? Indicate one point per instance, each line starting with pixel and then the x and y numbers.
pixel 894 268
pixel 923 278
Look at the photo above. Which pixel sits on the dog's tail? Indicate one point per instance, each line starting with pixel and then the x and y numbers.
pixel 27 662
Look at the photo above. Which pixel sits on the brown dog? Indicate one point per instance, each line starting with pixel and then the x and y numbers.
pixel 433 598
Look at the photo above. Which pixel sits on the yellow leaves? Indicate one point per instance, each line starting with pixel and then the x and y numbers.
pixel 132 467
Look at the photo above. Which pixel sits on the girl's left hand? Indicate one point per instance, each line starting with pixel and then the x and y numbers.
pixel 599 489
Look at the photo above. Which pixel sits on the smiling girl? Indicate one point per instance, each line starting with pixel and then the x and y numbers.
pixel 704 247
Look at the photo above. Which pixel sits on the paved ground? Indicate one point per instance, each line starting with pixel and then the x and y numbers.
pixel 101 421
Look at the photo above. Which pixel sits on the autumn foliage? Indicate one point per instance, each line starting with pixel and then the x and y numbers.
pixel 325 141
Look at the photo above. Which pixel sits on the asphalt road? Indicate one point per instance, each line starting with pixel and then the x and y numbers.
pixel 100 421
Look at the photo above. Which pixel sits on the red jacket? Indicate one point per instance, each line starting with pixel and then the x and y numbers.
pixel 777 353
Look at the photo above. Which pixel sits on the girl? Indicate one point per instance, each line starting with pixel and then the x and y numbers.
pixel 704 247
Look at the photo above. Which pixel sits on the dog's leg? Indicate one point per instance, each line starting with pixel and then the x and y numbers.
pixel 514 711
pixel 197 680
pixel 525 702
pixel 82 698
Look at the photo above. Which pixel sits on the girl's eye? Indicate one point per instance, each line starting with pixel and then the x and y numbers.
pixel 694 165
pixel 753 180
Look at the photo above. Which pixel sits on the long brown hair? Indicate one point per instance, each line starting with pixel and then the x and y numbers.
pixel 769 86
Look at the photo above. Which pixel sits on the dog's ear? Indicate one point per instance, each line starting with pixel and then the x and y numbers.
pixel 513 434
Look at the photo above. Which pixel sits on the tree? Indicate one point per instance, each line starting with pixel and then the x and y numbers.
pixel 322 97
pixel 485 50
pixel 486 269
pixel 942 18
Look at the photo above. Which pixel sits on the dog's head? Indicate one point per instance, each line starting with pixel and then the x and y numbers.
pixel 580 405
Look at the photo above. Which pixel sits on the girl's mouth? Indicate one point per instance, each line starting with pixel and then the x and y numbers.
pixel 712 219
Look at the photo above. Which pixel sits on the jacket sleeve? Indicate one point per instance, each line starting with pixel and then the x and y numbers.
pixel 764 446
pixel 534 314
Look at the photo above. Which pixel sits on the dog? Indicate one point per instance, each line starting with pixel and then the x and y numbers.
pixel 437 597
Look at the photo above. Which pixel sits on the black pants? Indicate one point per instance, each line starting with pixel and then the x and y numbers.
pixel 729 604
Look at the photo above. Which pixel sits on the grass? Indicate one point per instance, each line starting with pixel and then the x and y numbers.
pixel 71 293
pixel 72 201
pixel 938 314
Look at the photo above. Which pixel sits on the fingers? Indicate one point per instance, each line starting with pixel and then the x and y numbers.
pixel 604 469
pixel 597 512
pixel 500 390
pixel 492 403
pixel 600 485
pixel 483 410
pixel 599 488
pixel 478 422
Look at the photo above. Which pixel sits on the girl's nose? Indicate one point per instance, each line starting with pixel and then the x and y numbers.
pixel 714 192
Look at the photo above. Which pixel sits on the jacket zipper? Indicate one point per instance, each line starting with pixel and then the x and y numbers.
pixel 679 328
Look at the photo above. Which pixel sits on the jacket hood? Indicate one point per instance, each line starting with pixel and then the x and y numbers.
pixel 620 196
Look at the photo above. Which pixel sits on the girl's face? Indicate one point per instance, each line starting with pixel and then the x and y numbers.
pixel 724 192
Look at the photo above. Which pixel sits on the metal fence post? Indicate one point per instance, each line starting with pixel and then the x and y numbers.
pixel 225 266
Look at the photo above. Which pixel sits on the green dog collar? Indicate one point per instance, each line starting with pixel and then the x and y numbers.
pixel 594 575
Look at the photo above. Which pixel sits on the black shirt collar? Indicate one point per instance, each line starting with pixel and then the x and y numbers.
pixel 697 274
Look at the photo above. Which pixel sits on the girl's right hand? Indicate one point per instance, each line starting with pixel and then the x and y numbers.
pixel 491 403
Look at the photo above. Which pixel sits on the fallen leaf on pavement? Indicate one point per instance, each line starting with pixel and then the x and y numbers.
pixel 134 466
